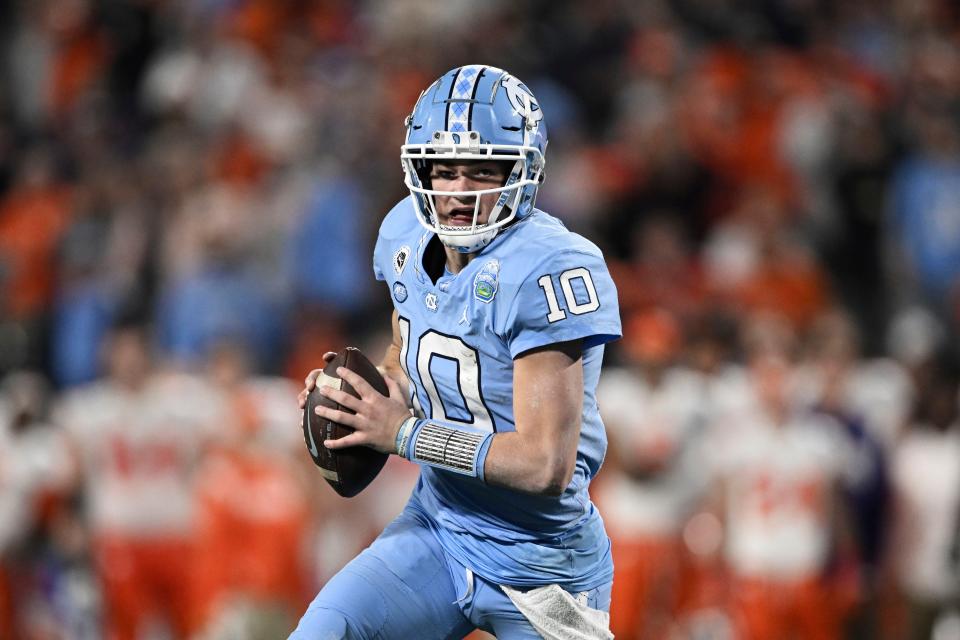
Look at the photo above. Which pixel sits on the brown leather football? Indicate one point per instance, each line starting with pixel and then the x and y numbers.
pixel 349 470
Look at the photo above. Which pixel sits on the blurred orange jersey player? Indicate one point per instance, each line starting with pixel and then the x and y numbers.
pixel 254 506
pixel 138 436
pixel 777 470
pixel 652 416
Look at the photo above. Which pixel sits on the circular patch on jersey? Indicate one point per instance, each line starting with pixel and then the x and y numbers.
pixel 399 291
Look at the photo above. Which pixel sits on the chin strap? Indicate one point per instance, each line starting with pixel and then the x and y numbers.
pixel 477 241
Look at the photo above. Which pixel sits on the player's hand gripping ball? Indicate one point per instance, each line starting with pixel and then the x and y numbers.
pixel 348 470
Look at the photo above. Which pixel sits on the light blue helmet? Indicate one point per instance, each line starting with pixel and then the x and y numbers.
pixel 475 112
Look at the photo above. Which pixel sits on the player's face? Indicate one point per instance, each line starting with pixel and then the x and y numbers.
pixel 771 375
pixel 466 176
pixel 127 356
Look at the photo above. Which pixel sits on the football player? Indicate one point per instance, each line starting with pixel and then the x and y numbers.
pixel 777 470
pixel 138 434
pixel 653 409
pixel 500 319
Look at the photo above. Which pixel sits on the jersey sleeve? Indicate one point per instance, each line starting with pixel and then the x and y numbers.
pixel 567 296
pixel 398 228
pixel 379 251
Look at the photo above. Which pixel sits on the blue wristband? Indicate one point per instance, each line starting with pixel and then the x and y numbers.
pixel 482 457
pixel 403 436
pixel 412 439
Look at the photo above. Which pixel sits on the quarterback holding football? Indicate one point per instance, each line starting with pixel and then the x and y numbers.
pixel 499 324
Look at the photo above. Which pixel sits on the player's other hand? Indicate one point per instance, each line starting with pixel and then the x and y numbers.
pixel 376 418
pixel 310 383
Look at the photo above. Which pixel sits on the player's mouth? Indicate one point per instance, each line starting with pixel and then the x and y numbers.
pixel 460 217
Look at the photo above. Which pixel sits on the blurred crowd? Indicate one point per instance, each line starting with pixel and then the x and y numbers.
pixel 189 195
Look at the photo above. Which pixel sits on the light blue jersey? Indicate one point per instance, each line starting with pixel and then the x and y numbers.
pixel 535 284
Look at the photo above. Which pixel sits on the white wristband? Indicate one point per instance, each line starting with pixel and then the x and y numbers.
pixel 403 435
pixel 446 447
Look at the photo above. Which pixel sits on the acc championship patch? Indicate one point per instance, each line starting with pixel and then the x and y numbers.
pixel 400 259
pixel 399 291
pixel 486 282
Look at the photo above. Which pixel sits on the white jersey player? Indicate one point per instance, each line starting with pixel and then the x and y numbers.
pixel 138 436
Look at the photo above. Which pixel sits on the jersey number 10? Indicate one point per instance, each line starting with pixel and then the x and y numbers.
pixel 433 346
pixel 575 307
pixel 466 361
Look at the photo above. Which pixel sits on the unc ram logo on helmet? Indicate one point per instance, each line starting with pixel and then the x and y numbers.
pixel 475 112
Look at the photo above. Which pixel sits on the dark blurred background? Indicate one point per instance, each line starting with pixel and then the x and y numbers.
pixel 190 191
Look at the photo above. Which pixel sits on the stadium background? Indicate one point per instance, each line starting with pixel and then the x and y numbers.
pixel 771 178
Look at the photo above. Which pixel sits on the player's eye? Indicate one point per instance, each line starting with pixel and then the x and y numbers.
pixel 442 174
pixel 488 174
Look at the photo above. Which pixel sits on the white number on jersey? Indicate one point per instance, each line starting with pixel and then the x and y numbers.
pixel 592 303
pixel 434 345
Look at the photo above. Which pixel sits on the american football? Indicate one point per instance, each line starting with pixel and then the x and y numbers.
pixel 349 470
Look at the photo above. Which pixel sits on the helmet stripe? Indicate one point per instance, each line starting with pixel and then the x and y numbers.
pixel 461 93
pixel 446 115
pixel 473 97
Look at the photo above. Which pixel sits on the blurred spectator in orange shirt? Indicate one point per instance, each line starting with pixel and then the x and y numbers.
pixel 756 263
pixel 33 215
pixel 80 54
pixel 662 273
